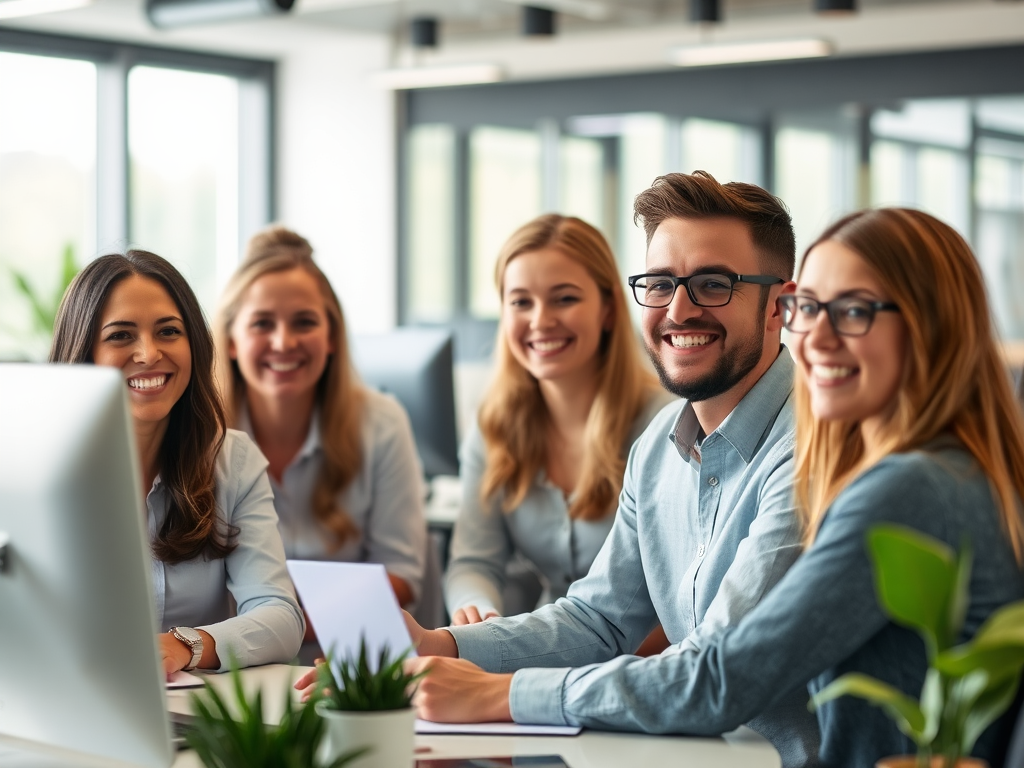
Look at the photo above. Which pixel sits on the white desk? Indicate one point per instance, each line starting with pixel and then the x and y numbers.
pixel 591 749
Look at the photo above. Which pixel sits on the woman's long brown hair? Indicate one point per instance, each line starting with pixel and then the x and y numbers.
pixel 955 381
pixel 195 432
pixel 339 393
pixel 514 418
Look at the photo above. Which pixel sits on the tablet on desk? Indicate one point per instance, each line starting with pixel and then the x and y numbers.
pixel 534 761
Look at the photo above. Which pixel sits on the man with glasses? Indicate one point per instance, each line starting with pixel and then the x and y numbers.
pixel 705 525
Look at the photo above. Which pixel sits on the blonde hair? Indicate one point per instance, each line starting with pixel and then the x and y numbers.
pixel 513 417
pixel 963 389
pixel 339 393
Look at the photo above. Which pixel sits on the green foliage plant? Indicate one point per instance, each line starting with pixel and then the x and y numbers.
pixel 240 739
pixel 924 585
pixel 358 688
pixel 44 309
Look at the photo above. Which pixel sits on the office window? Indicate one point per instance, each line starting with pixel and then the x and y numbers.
pixel 183 149
pixel 47 187
pixel 812 176
pixel 505 193
pixel 105 145
pixel 581 179
pixel 727 151
pixel 430 208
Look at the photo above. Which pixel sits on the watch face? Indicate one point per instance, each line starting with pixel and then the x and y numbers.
pixel 188 634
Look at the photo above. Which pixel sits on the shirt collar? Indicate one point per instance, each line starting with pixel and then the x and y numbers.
pixel 750 419
pixel 309 447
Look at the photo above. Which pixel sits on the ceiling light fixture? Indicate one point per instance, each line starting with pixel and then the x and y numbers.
pixel 741 53
pixel 165 14
pixel 835 6
pixel 12 9
pixel 538 22
pixel 705 11
pixel 423 32
pixel 404 78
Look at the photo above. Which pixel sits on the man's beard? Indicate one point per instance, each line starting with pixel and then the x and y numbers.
pixel 727 372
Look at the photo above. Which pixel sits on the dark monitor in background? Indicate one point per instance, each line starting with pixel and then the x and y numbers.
pixel 414 365
pixel 79 667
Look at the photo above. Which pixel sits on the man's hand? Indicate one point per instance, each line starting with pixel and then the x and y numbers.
pixel 431 642
pixel 458 691
pixel 174 654
pixel 470 615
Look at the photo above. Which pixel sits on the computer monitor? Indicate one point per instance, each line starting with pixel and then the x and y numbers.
pixel 79 667
pixel 415 365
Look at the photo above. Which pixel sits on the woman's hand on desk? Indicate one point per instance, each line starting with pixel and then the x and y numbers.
pixel 458 691
pixel 470 615
pixel 175 655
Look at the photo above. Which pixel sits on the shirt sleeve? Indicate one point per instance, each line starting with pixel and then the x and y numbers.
pixel 607 612
pixel 481 545
pixel 268 627
pixel 763 557
pixel 395 532
pixel 821 612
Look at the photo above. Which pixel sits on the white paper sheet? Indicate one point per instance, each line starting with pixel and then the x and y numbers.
pixel 347 601
pixel 182 679
pixel 497 729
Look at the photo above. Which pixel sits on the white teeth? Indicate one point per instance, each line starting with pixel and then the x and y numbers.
pixel 692 340
pixel 829 372
pixel 549 346
pixel 282 367
pixel 151 383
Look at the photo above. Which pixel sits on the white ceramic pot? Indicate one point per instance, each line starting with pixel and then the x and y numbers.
pixel 388 735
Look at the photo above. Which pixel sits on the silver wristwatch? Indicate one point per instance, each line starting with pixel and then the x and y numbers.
pixel 193 640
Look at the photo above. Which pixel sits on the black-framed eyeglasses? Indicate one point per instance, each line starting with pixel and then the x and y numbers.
pixel 850 315
pixel 704 289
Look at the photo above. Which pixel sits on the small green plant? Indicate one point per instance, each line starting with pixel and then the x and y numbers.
pixel 222 739
pixel 44 309
pixel 923 584
pixel 361 689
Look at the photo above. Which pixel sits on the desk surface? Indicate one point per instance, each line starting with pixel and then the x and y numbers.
pixel 591 749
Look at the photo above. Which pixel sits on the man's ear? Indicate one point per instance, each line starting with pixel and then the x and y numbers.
pixel 773 321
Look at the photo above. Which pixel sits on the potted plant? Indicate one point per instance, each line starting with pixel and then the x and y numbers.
pixel 235 736
pixel 923 584
pixel 368 707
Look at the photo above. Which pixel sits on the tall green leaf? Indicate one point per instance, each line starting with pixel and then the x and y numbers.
pixel 906 712
pixel 916 577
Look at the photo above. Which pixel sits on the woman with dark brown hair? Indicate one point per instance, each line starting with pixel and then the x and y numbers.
pixel 210 508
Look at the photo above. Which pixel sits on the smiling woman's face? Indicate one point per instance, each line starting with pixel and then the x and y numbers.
pixel 553 315
pixel 849 378
pixel 141 332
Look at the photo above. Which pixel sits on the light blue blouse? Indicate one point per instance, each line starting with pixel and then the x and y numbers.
pixel 384 499
pixel 203 593
pixel 539 529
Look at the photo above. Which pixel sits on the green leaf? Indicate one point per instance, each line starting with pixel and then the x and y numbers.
pixel 986 709
pixel 998 647
pixel 915 577
pixel 40 313
pixel 960 597
pixel 901 708
pixel 357 688
pixel 933 703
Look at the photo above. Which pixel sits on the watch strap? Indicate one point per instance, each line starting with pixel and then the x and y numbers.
pixel 194 641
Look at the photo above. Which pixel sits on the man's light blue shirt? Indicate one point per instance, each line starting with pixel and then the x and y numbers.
pixel 704 529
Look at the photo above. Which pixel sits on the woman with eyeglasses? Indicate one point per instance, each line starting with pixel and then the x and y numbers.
pixel 905 415
pixel 223 595
pixel 542 467
pixel 347 481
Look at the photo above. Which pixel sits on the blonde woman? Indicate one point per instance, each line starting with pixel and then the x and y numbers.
pixel 905 415
pixel 347 481
pixel 542 468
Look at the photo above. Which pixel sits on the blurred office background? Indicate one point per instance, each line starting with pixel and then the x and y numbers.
pixel 184 141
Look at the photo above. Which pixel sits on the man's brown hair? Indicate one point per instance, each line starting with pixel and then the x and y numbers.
pixel 699 196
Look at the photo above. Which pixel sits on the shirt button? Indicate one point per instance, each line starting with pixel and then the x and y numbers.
pixel 700 551
pixel 712 481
